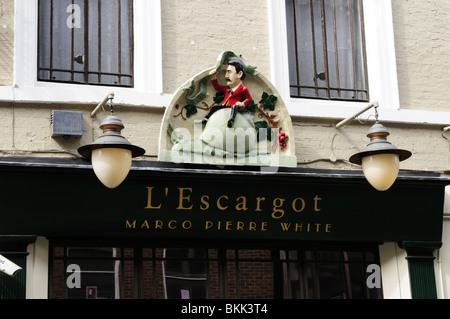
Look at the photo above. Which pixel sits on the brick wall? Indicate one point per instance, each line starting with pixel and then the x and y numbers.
pixel 251 278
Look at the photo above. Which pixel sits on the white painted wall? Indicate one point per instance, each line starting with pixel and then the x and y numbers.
pixel 37 269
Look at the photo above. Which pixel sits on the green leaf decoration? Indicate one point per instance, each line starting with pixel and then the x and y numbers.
pixel 250 69
pixel 268 101
pixel 193 100
pixel 190 110
pixel 252 107
pixel 219 98
pixel 261 124
pixel 226 56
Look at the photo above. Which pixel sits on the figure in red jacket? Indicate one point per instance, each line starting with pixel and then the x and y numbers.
pixel 236 93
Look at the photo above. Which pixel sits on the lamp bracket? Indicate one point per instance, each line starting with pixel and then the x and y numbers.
pixel 376 112
pixel 350 118
pixel 109 97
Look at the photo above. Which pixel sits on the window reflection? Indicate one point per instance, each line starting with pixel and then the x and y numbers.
pixel 200 273
pixel 185 273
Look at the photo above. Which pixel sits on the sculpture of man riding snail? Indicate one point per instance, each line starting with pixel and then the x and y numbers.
pixel 236 93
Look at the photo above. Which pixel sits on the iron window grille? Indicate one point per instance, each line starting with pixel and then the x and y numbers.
pixel 86 42
pixel 326 49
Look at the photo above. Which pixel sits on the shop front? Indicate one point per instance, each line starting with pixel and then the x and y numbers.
pixel 190 231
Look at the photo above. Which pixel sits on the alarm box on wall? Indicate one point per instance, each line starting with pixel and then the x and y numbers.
pixel 67 124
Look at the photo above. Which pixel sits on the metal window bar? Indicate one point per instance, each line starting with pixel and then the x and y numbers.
pixel 364 54
pixel 72 46
pixel 99 41
pixel 325 52
pixel 313 31
pixel 360 91
pixel 352 38
pixel 336 56
pixel 296 60
pixel 119 37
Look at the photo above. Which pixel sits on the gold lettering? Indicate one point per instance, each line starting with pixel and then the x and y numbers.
pixel 294 206
pixel 145 224
pixel 258 201
pixel 204 199
pixel 186 224
pixel 316 199
pixel 243 205
pixel 183 197
pixel 149 200
pixel 158 224
pixel 132 225
pixel 219 206
pixel 231 225
pixel 277 203
pixel 170 224
pixel 308 227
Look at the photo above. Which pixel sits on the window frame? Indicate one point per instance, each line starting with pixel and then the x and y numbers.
pixel 77 36
pixel 148 77
pixel 381 63
pixel 326 74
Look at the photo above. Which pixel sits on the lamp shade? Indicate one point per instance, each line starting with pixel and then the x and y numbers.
pixel 111 153
pixel 111 165
pixel 381 170
pixel 380 159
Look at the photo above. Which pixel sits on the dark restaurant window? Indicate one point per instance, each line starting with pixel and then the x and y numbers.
pixel 140 272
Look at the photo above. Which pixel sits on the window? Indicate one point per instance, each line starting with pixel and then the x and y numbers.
pixel 326 49
pixel 98 272
pixel 327 274
pixel 379 77
pixel 142 272
pixel 145 55
pixel 86 42
pixel 185 273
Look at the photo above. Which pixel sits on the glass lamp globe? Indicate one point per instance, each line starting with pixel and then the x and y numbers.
pixel 111 154
pixel 111 165
pixel 381 170
pixel 380 160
